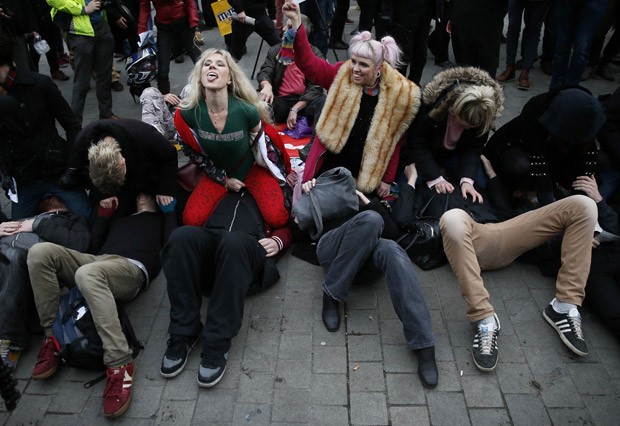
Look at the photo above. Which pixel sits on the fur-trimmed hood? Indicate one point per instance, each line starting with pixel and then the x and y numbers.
pixel 440 93
pixel 397 106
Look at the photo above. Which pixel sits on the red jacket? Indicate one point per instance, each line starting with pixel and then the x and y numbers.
pixel 168 11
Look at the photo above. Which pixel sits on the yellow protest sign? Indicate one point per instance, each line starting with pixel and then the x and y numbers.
pixel 223 12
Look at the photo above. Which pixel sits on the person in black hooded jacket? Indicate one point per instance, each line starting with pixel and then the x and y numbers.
pixel 550 143
pixel 137 159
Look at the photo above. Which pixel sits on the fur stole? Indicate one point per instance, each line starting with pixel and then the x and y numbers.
pixel 398 103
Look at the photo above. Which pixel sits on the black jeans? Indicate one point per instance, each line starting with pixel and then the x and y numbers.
pixel 283 104
pixel 603 286
pixel 222 264
pixel 15 296
pixel 418 22
pixel 166 43
pixel 263 27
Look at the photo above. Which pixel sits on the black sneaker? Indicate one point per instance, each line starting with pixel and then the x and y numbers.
pixel 568 327
pixel 176 355
pixel 485 350
pixel 211 370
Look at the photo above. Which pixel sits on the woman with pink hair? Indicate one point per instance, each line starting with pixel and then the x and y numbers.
pixel 369 106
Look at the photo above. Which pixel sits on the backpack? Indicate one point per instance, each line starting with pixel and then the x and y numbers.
pixel 79 344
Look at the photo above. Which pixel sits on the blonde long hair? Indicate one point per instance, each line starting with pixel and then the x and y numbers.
pixel 240 86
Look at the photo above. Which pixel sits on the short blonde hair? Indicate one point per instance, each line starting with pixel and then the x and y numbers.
pixel 105 168
pixel 476 107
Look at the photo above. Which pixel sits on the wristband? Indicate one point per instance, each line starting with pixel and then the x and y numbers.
pixel 295 110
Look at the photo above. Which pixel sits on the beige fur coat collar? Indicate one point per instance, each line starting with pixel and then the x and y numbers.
pixel 398 103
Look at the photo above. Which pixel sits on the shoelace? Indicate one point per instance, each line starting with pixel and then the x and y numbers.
pixel 177 347
pixel 114 385
pixel 4 349
pixel 486 339
pixel 213 360
pixel 48 350
pixel 575 322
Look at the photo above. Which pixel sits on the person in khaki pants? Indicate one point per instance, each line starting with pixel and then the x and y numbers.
pixel 472 247
pixel 125 263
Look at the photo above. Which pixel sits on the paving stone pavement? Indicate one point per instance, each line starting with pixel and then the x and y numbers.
pixel 286 369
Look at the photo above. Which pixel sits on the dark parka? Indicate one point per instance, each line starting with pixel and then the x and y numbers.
pixel 424 145
pixel 30 146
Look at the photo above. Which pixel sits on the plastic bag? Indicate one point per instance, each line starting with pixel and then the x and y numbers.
pixel 301 130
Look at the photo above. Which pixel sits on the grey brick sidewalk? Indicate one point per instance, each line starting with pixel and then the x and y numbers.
pixel 285 368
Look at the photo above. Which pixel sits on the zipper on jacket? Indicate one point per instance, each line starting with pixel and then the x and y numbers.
pixel 232 222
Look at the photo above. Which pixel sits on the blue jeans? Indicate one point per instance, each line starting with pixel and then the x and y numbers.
pixel 344 252
pixel 15 296
pixel 533 13
pixel 576 23
pixel 31 194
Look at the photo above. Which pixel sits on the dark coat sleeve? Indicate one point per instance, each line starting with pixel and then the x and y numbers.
pixel 418 147
pixel 608 218
pixel 65 229
pixel 609 135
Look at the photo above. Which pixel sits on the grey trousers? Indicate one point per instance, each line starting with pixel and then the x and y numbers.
pixel 101 280
pixel 93 54
pixel 356 244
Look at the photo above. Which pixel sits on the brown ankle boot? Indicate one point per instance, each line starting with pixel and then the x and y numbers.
pixel 508 74
pixel 523 82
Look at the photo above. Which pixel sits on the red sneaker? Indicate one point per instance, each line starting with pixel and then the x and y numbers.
pixel 117 393
pixel 47 360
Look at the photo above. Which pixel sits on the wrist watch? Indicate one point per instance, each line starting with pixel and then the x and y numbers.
pixel 295 110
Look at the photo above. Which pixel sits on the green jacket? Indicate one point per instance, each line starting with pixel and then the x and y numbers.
pixel 69 15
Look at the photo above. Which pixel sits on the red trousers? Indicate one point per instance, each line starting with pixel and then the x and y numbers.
pixel 259 182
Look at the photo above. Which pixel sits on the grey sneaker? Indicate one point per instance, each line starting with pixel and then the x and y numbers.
pixel 485 350
pixel 212 369
pixel 176 355
pixel 568 327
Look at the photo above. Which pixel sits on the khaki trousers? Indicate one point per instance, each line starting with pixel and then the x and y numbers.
pixel 101 280
pixel 472 247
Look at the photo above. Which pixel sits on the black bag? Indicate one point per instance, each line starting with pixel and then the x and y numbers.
pixel 75 332
pixel 332 197
pixel 422 241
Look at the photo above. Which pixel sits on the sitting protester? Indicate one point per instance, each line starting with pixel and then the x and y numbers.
pixel 459 106
pixel 127 260
pixel 287 90
pixel 472 247
pixel 231 256
pixel 368 108
pixel 56 225
pixel 550 143
pixel 361 244
pixel 123 158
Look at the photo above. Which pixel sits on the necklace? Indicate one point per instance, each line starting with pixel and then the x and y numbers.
pixel 216 114
pixel 372 90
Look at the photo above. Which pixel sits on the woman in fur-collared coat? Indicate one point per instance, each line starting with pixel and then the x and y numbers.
pixel 369 106
pixel 459 106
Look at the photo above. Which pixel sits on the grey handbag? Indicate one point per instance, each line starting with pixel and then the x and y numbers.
pixel 332 197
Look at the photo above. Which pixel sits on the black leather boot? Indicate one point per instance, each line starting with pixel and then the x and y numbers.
pixel 331 313
pixel 427 367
